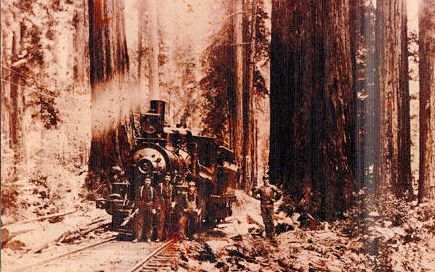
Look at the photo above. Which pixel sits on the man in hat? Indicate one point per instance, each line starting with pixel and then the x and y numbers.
pixel 178 205
pixel 146 199
pixel 191 212
pixel 165 199
pixel 267 194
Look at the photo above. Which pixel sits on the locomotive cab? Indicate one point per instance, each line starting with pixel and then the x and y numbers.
pixel 218 176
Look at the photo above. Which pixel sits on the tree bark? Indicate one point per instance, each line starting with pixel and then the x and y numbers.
pixel 249 113
pixel 426 183
pixel 140 45
pixel 15 116
pixel 154 51
pixel 13 81
pixel 255 154
pixel 394 99
pixel 109 65
pixel 354 146
pixel 238 66
pixel 403 187
pixel 311 90
pixel 81 58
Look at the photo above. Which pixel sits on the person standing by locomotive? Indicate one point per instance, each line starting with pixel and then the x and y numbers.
pixel 190 212
pixel 178 206
pixel 145 199
pixel 164 192
pixel 267 194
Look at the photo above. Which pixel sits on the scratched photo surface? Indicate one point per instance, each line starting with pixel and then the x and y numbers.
pixel 217 135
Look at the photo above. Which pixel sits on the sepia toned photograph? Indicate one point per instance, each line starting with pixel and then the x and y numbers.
pixel 217 135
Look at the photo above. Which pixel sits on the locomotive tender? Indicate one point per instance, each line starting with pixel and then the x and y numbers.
pixel 162 150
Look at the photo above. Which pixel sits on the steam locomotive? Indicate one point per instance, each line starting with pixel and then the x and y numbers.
pixel 161 150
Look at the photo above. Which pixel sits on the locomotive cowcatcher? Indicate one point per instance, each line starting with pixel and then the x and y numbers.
pixel 163 150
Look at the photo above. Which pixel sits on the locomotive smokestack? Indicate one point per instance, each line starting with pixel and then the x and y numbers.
pixel 158 106
pixel 154 54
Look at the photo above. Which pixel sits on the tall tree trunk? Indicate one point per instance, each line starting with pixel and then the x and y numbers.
pixel 311 90
pixel 81 75
pixel 403 187
pixel 354 146
pixel 255 154
pixel 80 34
pixel 426 183
pixel 140 45
pixel 154 51
pixel 109 65
pixel 12 96
pixel 238 66
pixel 388 79
pixel 248 126
pixel 394 98
pixel 5 134
pixel 14 113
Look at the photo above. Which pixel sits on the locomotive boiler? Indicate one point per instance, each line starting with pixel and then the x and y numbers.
pixel 162 150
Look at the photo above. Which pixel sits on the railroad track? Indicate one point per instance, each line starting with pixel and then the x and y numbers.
pixel 164 258
pixel 65 255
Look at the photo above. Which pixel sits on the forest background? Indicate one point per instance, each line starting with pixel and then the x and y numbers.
pixel 73 77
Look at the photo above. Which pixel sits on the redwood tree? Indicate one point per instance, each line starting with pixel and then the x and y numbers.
pixel 393 89
pixel 404 183
pixel 311 96
pixel 218 84
pixel 109 65
pixel 426 183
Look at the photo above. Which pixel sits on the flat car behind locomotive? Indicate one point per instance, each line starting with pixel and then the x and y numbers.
pixel 190 160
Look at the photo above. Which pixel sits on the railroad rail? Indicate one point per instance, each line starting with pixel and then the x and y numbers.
pixel 64 255
pixel 164 258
